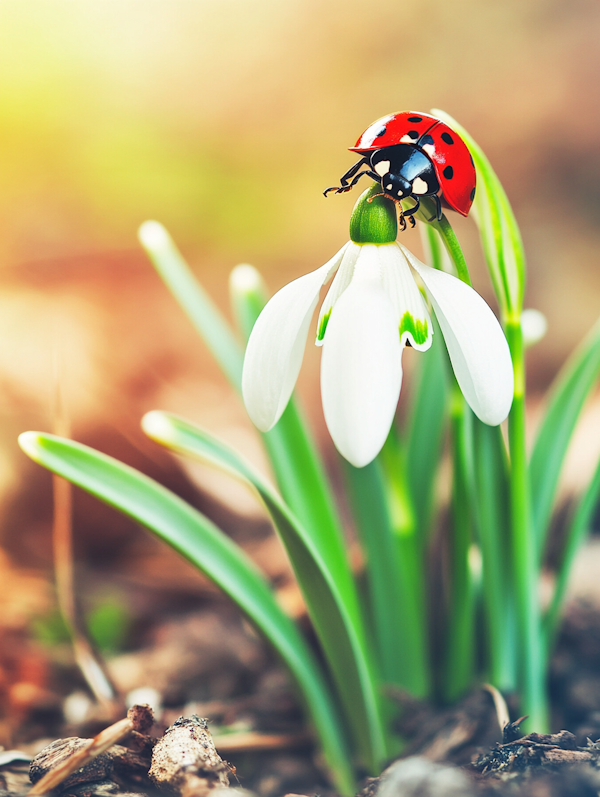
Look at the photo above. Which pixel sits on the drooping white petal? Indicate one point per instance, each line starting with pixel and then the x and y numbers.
pixel 361 371
pixel 399 283
pixel 276 345
pixel 340 282
pixel 476 343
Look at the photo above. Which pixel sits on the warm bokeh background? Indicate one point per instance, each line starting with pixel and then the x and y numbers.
pixel 225 120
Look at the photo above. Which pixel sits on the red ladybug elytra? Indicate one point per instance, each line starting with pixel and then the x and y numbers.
pixel 414 154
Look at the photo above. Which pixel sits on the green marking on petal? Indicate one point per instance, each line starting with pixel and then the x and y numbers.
pixel 374 219
pixel 323 325
pixel 417 329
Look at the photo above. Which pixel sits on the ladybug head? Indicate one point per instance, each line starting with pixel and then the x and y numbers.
pixel 404 170
pixel 393 183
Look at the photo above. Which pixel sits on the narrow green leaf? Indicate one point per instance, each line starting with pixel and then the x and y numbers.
pixel 248 295
pixel 296 464
pixel 200 541
pixel 491 503
pixel 571 388
pixel 332 605
pixel 427 421
pixel 524 563
pixel 191 296
pixel 499 231
pixel 459 659
pixel 394 568
pixel 576 532
pixel 291 450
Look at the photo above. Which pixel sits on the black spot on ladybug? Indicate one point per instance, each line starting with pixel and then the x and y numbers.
pixel 380 132
pixel 425 140
pixel 472 195
pixel 447 138
pixel 448 172
pixel 415 119
pixel 413 134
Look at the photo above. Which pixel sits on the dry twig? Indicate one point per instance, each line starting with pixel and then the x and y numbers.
pixel 139 718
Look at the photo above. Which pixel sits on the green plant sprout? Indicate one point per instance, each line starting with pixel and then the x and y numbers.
pixel 373 631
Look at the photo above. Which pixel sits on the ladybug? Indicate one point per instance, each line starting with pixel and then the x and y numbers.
pixel 413 154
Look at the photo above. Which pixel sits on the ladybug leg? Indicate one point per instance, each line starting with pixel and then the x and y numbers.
pixel 411 211
pixel 438 208
pixel 344 184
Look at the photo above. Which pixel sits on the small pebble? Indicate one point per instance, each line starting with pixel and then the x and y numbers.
pixel 419 777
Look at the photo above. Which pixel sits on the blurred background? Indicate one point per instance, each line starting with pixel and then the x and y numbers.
pixel 225 120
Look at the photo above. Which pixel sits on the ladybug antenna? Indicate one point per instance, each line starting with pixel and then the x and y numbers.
pixel 393 199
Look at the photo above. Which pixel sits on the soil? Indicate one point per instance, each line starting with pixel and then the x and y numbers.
pixel 196 658
pixel 210 664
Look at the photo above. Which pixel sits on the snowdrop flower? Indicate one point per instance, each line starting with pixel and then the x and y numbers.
pixel 373 309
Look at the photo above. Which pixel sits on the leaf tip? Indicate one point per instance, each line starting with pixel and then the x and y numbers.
pixel 156 425
pixel 245 279
pixel 152 235
pixel 30 444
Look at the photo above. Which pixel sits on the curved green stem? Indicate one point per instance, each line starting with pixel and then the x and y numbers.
pixel 448 237
pixel 524 555
pixel 460 633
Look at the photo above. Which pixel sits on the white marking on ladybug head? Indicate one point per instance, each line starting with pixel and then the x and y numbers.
pixel 389 187
pixel 400 192
pixel 407 140
pixel 419 186
pixel 382 168
pixel 428 148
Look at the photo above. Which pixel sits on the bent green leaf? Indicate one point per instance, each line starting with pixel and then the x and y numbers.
pixel 202 543
pixel 500 236
pixel 293 455
pixel 332 604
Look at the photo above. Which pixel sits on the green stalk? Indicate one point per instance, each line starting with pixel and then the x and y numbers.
pixel 578 528
pixel 490 502
pixel 460 642
pixel 524 555
pixel 460 639
pixel 448 236
pixel 411 555
pixel 393 603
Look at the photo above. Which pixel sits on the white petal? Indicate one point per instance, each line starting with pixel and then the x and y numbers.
pixel 476 343
pixel 276 345
pixel 361 371
pixel 340 282
pixel 399 283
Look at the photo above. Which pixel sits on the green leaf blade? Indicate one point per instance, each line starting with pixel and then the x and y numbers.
pixel 193 299
pixel 571 388
pixel 200 541
pixel 499 230
pixel 333 606
pixel 577 529
pixel 394 568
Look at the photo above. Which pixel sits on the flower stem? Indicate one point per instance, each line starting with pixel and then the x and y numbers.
pixel 492 518
pixel 524 560
pixel 460 640
pixel 410 566
pixel 448 236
